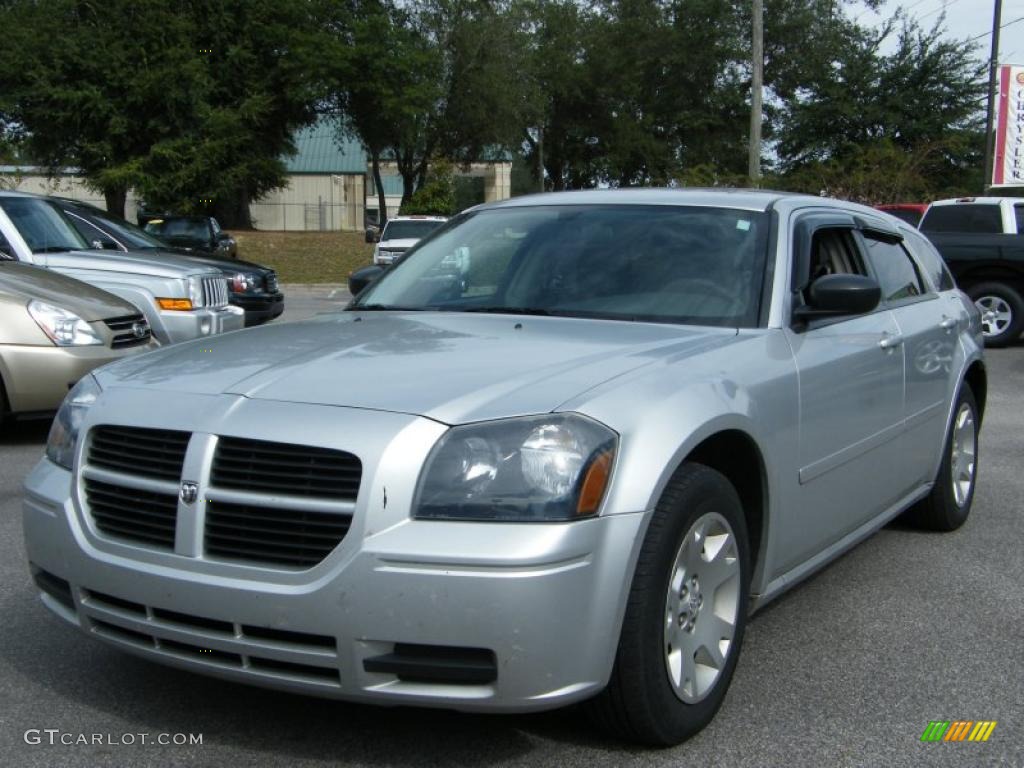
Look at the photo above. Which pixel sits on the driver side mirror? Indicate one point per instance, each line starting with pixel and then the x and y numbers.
pixel 361 278
pixel 834 295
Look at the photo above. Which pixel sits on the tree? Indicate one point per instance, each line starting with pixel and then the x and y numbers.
pixel 913 115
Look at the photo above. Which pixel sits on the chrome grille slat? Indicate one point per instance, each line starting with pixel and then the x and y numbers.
pixel 215 291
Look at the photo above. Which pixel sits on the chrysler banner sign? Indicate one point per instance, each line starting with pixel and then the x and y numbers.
pixel 1008 168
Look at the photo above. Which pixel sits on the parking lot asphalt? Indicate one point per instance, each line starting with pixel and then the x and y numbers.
pixel 846 669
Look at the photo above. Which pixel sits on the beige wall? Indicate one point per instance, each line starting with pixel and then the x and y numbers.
pixel 312 202
pixel 64 186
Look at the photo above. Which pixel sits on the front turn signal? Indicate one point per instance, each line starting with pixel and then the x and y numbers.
pixel 594 484
pixel 181 305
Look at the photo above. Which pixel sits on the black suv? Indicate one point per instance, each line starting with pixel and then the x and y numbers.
pixel 194 233
pixel 253 287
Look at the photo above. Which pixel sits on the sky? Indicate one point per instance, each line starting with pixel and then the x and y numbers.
pixel 964 18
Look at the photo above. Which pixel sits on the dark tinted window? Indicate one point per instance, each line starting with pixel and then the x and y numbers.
pixel 894 270
pixel 965 217
pixel 1018 209
pixel 408 230
pixel 930 261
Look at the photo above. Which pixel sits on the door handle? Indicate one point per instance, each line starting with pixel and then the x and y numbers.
pixel 891 342
pixel 948 323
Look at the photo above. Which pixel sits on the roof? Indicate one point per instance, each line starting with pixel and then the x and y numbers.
pixel 320 150
pixel 745 199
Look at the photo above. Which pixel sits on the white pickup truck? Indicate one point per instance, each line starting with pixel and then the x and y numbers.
pixel 180 299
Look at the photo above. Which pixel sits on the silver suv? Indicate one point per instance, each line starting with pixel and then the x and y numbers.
pixel 181 300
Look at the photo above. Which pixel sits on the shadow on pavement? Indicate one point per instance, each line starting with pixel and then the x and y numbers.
pixel 25 431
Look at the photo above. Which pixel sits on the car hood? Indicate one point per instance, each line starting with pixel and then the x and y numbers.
pixel 401 244
pixel 222 263
pixel 132 262
pixel 451 367
pixel 24 282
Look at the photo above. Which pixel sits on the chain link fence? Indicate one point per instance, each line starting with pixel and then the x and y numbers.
pixel 321 216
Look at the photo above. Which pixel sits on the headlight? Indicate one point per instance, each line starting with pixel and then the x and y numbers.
pixel 241 282
pixel 65 329
pixel 541 468
pixel 195 292
pixel 60 445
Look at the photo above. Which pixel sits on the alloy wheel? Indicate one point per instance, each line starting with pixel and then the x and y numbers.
pixel 963 451
pixel 996 314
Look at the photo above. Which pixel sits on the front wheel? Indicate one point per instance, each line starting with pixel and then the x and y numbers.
pixel 685 615
pixel 948 504
pixel 1002 312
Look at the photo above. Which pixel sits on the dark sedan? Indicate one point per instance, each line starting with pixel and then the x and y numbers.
pixel 253 287
pixel 194 233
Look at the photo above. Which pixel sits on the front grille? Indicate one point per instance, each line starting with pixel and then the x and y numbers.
pixel 156 453
pixel 271 282
pixel 286 469
pixel 215 292
pixel 128 513
pixel 292 538
pixel 129 331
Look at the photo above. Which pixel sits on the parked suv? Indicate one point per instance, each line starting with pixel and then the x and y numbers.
pixel 53 331
pixel 253 287
pixel 982 241
pixel 180 299
pixel 402 233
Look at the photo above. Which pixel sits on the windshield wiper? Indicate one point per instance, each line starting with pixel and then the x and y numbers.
pixel 385 308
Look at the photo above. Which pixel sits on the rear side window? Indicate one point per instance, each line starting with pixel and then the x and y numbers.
pixel 894 269
pixel 930 261
pixel 966 217
pixel 1018 211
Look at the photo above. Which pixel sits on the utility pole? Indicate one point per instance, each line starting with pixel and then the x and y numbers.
pixel 540 155
pixel 756 88
pixel 993 67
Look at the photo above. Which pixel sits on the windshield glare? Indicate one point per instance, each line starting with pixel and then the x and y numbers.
pixel 42 227
pixel 192 229
pixel 695 265
pixel 409 230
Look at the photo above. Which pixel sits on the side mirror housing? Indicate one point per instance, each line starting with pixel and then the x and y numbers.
pixel 362 277
pixel 833 295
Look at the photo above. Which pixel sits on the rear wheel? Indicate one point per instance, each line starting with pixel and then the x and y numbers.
pixel 947 506
pixel 1002 312
pixel 685 615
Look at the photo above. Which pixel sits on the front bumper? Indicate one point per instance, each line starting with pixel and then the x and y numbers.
pixel 174 326
pixel 545 601
pixel 260 308
pixel 37 378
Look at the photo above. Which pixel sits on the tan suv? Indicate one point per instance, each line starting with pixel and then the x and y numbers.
pixel 55 329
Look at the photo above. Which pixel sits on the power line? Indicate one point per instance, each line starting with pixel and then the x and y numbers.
pixel 1004 26
pixel 941 8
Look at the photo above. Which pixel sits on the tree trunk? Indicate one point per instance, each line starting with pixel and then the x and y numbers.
pixel 115 200
pixel 382 202
pixel 233 213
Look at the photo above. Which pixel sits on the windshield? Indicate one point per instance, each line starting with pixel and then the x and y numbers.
pixel 43 228
pixel 703 266
pixel 132 236
pixel 192 229
pixel 409 230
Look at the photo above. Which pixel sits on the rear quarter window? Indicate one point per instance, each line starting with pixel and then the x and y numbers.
pixel 930 261
pixel 966 217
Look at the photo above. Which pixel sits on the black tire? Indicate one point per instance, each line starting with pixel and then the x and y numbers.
pixel 939 510
pixel 639 703
pixel 1013 300
pixel 5 414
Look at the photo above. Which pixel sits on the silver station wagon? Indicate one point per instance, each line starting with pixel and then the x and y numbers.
pixel 559 453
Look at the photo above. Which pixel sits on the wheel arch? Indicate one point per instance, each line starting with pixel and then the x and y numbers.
pixel 736 454
pixel 976 377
